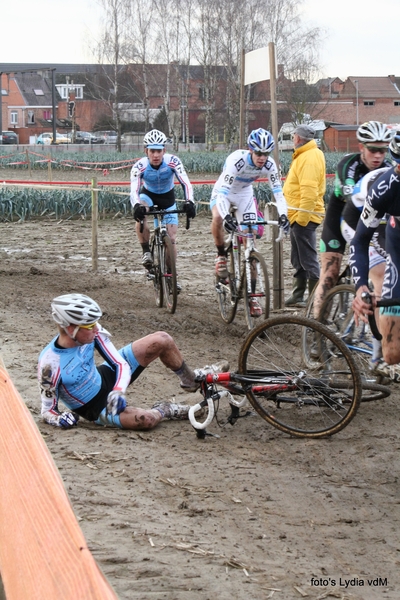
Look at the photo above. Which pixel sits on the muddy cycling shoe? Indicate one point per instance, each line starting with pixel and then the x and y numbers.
pixel 255 308
pixel 147 260
pixel 380 367
pixel 221 267
pixel 172 411
pixel 199 374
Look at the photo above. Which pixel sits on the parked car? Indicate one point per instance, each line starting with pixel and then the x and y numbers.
pixel 9 137
pixel 109 137
pixel 46 138
pixel 84 137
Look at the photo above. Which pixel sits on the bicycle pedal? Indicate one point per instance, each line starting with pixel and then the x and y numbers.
pixel 150 276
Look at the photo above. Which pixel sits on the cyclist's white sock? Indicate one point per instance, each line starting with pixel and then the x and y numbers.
pixel 186 375
pixel 376 349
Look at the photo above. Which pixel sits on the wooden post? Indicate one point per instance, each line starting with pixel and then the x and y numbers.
pixel 241 107
pixel 28 160
pixel 277 251
pixel 95 210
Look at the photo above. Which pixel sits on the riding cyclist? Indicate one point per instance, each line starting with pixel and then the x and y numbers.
pixel 374 138
pixel 234 187
pixel 152 184
pixel 383 197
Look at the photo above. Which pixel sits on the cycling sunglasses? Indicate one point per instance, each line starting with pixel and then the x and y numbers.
pixel 257 153
pixel 376 149
pixel 91 326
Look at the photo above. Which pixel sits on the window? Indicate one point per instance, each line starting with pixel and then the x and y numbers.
pixel 4 92
pixel 14 117
pixel 369 102
pixel 396 102
pixel 31 117
pixel 64 90
pixel 47 115
pixel 39 92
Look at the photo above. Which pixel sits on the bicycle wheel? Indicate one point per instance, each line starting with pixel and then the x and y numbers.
pixel 168 274
pixel 302 401
pixel 337 313
pixel 259 284
pixel 227 290
pixel 156 274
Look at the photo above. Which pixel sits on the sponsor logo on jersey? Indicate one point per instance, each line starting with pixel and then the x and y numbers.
pixel 239 165
pixel 390 278
pixel 334 244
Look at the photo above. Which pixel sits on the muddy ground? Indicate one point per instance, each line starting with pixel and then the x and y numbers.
pixel 251 514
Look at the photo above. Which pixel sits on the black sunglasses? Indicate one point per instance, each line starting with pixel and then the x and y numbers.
pixel 376 149
pixel 257 153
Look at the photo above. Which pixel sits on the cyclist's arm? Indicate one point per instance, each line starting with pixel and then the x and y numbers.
pixel 49 379
pixel 276 186
pixel 176 165
pixel 136 180
pixel 121 367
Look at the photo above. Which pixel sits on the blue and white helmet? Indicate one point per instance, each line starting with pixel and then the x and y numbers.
pixel 394 147
pixel 75 309
pixel 261 140
pixel 155 139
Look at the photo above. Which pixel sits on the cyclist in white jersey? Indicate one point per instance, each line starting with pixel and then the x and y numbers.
pixel 67 371
pixel 234 187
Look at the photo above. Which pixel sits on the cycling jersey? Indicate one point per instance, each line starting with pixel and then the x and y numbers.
pixel 159 181
pixel 383 197
pixel 355 203
pixel 234 185
pixel 349 170
pixel 71 375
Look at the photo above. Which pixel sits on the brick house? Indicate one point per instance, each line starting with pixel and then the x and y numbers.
pixel 27 98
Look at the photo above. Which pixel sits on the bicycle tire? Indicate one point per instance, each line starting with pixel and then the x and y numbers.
pixel 337 313
pixel 227 291
pixel 325 397
pixel 168 274
pixel 156 271
pixel 261 289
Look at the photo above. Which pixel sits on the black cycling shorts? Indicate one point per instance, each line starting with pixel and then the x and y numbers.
pixel 331 236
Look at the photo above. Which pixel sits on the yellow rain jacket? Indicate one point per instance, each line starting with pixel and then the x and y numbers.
pixel 305 185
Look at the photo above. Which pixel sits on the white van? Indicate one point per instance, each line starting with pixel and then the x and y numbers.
pixel 285 135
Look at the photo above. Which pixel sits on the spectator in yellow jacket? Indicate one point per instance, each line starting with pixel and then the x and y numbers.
pixel 304 191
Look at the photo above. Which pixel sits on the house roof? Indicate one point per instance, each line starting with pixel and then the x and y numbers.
pixel 375 87
pixel 35 89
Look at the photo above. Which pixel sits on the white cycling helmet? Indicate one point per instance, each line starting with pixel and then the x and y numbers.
pixel 155 139
pixel 373 131
pixel 394 147
pixel 261 140
pixel 75 309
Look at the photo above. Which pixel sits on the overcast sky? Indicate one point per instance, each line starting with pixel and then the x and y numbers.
pixel 360 40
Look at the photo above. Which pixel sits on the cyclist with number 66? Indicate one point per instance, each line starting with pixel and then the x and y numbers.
pixel 152 184
pixel 234 187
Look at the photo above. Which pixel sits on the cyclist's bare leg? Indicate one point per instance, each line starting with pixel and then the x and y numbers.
pixel 172 231
pixel 158 345
pixel 143 236
pixel 216 227
pixel 376 275
pixel 330 271
pixel 390 329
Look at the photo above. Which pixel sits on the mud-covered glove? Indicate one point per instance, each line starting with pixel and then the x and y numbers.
pixel 190 209
pixel 284 223
pixel 230 224
pixel 139 212
pixel 116 403
pixel 67 420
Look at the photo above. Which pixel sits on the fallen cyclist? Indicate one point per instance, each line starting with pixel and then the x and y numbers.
pixel 67 371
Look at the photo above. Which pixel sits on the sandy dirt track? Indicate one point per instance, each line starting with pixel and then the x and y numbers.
pixel 253 514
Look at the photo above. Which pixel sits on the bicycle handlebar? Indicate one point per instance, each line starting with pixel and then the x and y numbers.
pixel 163 211
pixel 265 222
pixel 371 318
